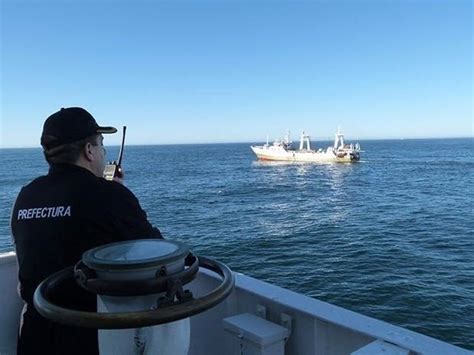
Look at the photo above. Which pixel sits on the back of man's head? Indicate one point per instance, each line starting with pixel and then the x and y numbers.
pixel 66 132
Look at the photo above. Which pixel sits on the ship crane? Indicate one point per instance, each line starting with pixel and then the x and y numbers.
pixel 339 139
pixel 305 139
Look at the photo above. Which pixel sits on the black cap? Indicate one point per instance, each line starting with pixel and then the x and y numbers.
pixel 69 125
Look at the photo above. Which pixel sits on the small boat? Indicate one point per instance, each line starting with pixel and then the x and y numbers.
pixel 282 150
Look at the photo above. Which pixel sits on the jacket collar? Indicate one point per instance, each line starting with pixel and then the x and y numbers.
pixel 68 168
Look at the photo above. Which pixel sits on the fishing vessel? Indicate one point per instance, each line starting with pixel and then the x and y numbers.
pixel 282 150
pixel 258 318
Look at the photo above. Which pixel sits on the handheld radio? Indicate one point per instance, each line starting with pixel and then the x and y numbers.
pixel 114 168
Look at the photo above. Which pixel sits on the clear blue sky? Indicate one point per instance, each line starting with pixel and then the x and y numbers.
pixel 235 71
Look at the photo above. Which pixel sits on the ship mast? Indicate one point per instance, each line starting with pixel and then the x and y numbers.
pixel 287 137
pixel 305 139
pixel 339 139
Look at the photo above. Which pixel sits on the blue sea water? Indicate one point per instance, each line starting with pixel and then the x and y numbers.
pixel 391 237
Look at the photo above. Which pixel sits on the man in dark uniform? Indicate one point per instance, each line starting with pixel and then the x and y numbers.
pixel 59 216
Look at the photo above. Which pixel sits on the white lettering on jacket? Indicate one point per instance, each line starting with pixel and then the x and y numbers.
pixel 44 212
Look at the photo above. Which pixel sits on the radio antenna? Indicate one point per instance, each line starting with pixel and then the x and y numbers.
pixel 119 161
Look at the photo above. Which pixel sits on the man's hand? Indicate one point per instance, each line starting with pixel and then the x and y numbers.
pixel 119 175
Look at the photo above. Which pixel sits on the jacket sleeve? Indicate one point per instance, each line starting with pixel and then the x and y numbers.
pixel 123 217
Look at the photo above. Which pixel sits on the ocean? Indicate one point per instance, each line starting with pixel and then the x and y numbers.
pixel 391 237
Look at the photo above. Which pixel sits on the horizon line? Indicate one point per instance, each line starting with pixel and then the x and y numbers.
pixel 250 142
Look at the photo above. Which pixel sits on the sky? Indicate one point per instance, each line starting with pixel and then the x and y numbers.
pixel 236 71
